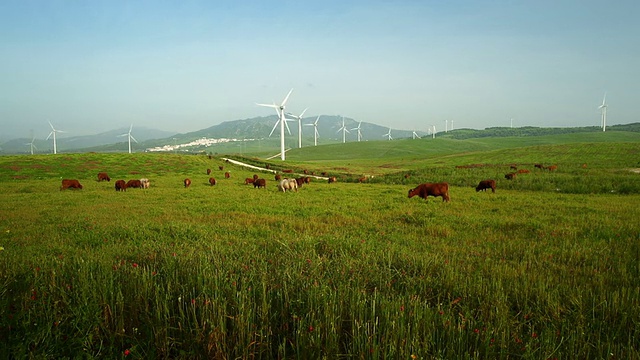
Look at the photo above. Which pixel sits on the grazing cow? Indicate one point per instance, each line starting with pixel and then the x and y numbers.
pixel 332 179
pixel 278 177
pixel 221 167
pixel 300 181
pixel 255 177
pixel 102 176
pixel 288 171
pixel 268 166
pixel 552 167
pixel 208 171
pixel 145 183
pixel 260 183
pixel 406 176
pixel 510 176
pixel 539 166
pixel 187 182
pixel 212 181
pixel 486 184
pixel 137 184
pixel 121 185
pixel 523 171
pixel 70 184
pixel 307 180
pixel 248 181
pixel 513 167
pixel 227 175
pixel 288 184
pixel 362 179
pixel 431 189
pixel 324 173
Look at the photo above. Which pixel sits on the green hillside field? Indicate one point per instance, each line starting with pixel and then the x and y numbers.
pixel 547 267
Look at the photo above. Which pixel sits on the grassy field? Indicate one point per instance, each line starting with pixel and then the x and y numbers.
pixel 341 270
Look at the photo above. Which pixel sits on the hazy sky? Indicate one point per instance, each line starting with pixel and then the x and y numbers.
pixel 93 66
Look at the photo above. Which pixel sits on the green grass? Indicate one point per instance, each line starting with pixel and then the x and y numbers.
pixel 340 270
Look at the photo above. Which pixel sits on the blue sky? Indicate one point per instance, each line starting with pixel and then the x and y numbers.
pixel 93 66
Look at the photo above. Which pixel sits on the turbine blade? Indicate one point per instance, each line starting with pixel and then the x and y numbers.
pixel 132 138
pixel 268 105
pixel 287 126
pixel 51 133
pixel 274 128
pixel 302 113
pixel 286 98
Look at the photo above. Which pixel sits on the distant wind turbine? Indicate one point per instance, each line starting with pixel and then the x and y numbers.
pixel 316 135
pixel 433 131
pixel 299 118
pixel 344 131
pixel 53 132
pixel 130 137
pixel 603 109
pixel 283 122
pixel 359 132
pixel 388 135
pixel 415 135
pixel 31 144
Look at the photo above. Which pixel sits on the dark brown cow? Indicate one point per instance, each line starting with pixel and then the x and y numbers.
pixel 221 167
pixel 227 175
pixel 248 181
pixel 324 173
pixel 539 166
pixel 552 167
pixel 208 171
pixel 486 184
pixel 332 179
pixel 136 184
pixel 70 184
pixel 278 177
pixel 510 176
pixel 288 171
pixel 362 179
pixel 431 189
pixel 307 180
pixel 255 176
pixel 406 176
pixel 212 181
pixel 260 183
pixel 102 176
pixel 523 171
pixel 187 182
pixel 513 167
pixel 300 181
pixel 121 185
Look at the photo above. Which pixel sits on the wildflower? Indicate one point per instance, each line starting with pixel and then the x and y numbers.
pixel 154 273
pixel 135 265
pixel 414 357
pixel 534 335
pixel 401 307
pixel 127 352
pixel 476 331
pixel 193 301
pixel 310 328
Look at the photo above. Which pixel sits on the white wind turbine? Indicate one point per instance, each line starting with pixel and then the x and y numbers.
pixel 316 135
pixel 359 132
pixel 299 118
pixel 31 144
pixel 603 109
pixel 415 135
pixel 282 121
pixel 130 137
pixel 388 135
pixel 344 131
pixel 433 131
pixel 53 132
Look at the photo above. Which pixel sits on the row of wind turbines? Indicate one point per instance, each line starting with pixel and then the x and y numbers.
pixel 54 131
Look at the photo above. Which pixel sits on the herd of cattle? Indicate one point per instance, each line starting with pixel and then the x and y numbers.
pixel 292 184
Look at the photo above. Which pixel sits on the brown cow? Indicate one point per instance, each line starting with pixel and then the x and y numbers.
pixel 431 189
pixel 332 179
pixel 278 177
pixel 221 167
pixel 70 184
pixel 227 175
pixel 300 181
pixel 307 180
pixel 121 185
pixel 523 171
pixel 248 181
pixel 102 176
pixel 406 176
pixel 510 176
pixel 208 171
pixel 137 184
pixel 258 183
pixel 486 184
pixel 212 181
pixel 288 171
pixel 552 167
pixel 362 179
pixel 187 182
pixel 539 166
pixel 255 176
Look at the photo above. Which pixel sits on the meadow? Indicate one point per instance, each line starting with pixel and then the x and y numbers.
pixel 538 270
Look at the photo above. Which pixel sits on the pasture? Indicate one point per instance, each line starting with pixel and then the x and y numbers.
pixel 342 270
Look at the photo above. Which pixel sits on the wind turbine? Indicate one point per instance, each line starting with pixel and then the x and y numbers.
pixel 344 131
pixel 53 132
pixel 282 121
pixel 130 137
pixel 446 126
pixel 415 135
pixel 358 128
pixel 433 131
pixel 388 134
pixel 603 109
pixel 299 117
pixel 31 144
pixel 316 135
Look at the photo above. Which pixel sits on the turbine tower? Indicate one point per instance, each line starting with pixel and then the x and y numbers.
pixel 344 131
pixel 282 121
pixel 388 135
pixel 316 135
pixel 359 132
pixel 53 132
pixel 31 144
pixel 130 137
pixel 433 131
pixel 603 109
pixel 299 118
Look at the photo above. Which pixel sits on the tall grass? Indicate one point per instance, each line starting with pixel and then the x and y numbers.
pixel 339 270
